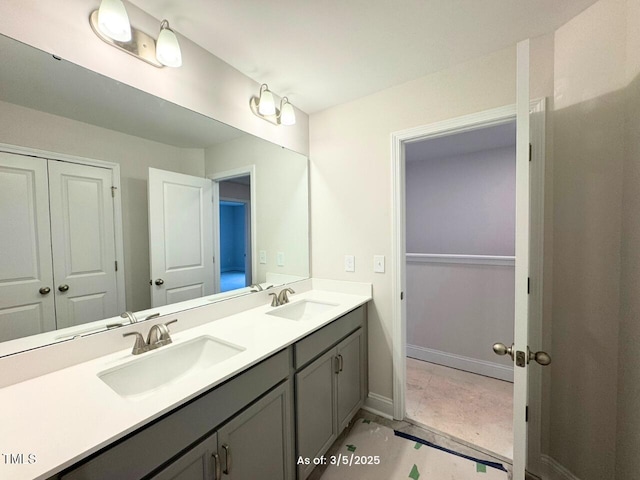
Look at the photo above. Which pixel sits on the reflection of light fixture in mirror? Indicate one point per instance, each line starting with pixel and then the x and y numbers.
pixel 167 48
pixel 113 20
pixel 139 44
pixel 265 108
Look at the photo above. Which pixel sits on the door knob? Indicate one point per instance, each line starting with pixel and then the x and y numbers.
pixel 502 349
pixel 159 281
pixel 543 358
pixel 63 288
pixel 44 290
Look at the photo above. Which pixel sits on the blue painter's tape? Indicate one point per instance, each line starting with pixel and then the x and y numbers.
pixel 497 466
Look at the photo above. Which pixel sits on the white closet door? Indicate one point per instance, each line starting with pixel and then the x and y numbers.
pixel 180 236
pixel 25 248
pixel 82 232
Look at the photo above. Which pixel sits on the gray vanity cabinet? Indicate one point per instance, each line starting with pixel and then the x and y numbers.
pixel 254 444
pixel 330 389
pixel 197 464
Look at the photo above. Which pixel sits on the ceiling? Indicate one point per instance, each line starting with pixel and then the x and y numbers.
pixel 324 53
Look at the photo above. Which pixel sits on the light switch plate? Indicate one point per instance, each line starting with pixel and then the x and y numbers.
pixel 280 259
pixel 378 263
pixel 263 256
pixel 349 263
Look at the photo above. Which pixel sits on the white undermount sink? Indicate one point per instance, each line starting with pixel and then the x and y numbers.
pixel 302 309
pixel 167 364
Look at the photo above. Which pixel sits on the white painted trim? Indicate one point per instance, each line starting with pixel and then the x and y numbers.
pixel 379 405
pixel 460 362
pixel 496 260
pixel 228 175
pixel 117 202
pixel 554 470
pixel 495 116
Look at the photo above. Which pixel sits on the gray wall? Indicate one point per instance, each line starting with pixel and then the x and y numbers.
pixel 463 204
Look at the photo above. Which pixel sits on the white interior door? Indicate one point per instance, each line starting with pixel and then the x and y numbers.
pixel 521 327
pixel 26 275
pixel 83 239
pixel 181 237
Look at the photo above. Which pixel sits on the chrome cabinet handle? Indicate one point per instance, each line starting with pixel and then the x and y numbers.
pixel 159 282
pixel 341 362
pixel 227 459
pixel 337 364
pixel 44 290
pixel 63 288
pixel 216 467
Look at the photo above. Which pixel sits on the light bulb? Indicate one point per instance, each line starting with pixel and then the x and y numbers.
pixel 113 20
pixel 167 47
pixel 287 115
pixel 266 104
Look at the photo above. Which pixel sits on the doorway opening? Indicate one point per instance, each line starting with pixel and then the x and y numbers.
pixel 235 233
pixel 527 438
pixel 460 276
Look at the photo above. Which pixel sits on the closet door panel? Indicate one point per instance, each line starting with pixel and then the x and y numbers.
pixel 25 253
pixel 82 231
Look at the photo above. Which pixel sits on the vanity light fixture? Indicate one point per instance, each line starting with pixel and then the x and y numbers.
pixel 111 24
pixel 167 47
pixel 264 107
pixel 113 20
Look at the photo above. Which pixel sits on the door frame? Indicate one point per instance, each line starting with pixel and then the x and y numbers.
pixel 117 201
pixel 218 177
pixel 461 124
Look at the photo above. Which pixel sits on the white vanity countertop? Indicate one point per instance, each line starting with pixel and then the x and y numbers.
pixel 64 416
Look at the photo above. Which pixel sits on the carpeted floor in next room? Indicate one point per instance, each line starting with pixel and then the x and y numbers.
pixel 374 448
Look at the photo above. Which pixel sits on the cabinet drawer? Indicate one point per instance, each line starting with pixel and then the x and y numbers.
pixel 310 347
pixel 144 451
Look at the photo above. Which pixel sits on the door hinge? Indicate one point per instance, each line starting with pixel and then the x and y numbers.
pixel 526 413
pixel 401 295
pixel 528 285
pixel 113 192
pixel 116 265
pixel 530 151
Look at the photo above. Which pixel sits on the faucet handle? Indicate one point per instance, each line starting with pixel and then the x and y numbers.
pixel 274 300
pixel 169 323
pixel 140 345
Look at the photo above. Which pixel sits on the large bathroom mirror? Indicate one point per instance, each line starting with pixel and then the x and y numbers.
pixel 113 200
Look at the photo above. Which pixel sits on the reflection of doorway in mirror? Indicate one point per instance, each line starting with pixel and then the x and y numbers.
pixel 235 233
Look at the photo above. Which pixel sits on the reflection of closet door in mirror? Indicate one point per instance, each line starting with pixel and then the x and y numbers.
pixel 26 306
pixel 180 237
pixel 82 234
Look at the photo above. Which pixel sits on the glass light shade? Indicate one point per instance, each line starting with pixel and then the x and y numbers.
pixel 113 20
pixel 287 115
pixel 167 48
pixel 266 104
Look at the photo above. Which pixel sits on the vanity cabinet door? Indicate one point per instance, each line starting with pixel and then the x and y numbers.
pixel 258 442
pixel 315 410
pixel 350 377
pixel 199 463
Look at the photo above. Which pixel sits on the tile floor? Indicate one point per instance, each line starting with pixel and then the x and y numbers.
pixel 474 409
pixel 400 458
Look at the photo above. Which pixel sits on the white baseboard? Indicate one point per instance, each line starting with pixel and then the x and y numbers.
pixel 481 367
pixel 379 405
pixel 554 470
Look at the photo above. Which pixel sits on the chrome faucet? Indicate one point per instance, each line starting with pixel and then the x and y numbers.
pixel 256 287
pixel 158 336
pixel 281 298
pixel 132 318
